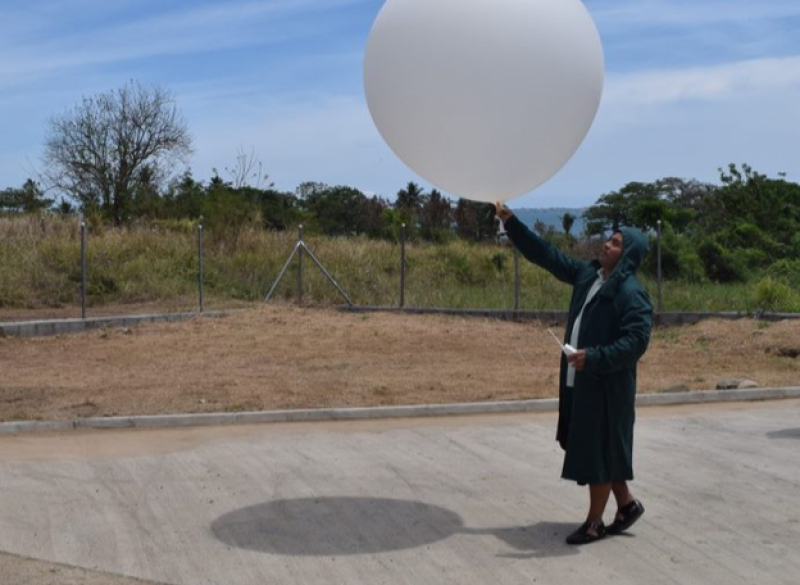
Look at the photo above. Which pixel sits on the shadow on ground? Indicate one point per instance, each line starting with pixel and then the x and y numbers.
pixel 334 526
pixel 785 434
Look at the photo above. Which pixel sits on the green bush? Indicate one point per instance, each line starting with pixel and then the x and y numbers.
pixel 787 271
pixel 747 235
pixel 691 266
pixel 794 246
pixel 751 258
pixel 720 264
pixel 679 259
pixel 457 263
pixel 498 260
pixel 773 295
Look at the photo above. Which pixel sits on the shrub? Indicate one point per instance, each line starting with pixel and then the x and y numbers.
pixel 679 259
pixel 720 265
pixel 786 271
pixel 747 235
pixel 773 295
pixel 498 260
pixel 40 267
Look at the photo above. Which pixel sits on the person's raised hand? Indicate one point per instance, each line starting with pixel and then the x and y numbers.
pixel 502 212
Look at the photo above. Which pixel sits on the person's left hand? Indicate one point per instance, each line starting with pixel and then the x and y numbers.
pixel 578 359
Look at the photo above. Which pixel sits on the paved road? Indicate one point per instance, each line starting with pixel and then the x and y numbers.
pixel 466 500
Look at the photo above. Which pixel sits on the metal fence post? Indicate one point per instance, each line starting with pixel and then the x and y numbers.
pixel 200 264
pixel 83 270
pixel 402 265
pixel 658 267
pixel 300 267
pixel 516 279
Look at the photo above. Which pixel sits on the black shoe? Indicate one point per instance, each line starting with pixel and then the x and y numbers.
pixel 626 516
pixel 583 536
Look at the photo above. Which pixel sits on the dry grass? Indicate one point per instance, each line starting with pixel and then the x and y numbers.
pixel 157 263
pixel 280 356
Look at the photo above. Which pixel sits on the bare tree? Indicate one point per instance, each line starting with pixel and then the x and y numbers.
pixel 96 151
pixel 248 171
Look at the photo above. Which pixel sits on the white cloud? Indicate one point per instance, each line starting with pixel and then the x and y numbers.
pixel 717 83
pixel 40 47
pixel 652 126
pixel 689 13
pixel 692 85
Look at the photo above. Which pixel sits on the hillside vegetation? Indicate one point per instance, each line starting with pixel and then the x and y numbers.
pixel 158 263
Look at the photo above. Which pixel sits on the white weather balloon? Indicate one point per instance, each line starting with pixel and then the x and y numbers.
pixel 485 99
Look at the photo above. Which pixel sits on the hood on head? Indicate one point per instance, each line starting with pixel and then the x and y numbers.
pixel 635 246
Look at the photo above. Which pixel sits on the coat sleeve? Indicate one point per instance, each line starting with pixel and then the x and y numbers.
pixel 542 252
pixel 625 351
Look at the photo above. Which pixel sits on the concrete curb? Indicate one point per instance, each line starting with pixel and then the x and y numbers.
pixel 51 327
pixel 67 326
pixel 373 413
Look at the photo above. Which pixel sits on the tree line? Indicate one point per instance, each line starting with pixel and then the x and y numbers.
pixel 113 156
pixel 748 225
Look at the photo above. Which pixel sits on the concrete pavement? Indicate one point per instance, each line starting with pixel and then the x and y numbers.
pixel 473 499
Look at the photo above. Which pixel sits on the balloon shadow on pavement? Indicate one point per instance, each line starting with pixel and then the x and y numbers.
pixel 336 526
pixel 784 434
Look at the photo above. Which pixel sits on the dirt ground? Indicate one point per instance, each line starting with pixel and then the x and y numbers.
pixel 279 356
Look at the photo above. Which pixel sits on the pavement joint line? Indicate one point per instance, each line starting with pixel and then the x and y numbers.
pixel 380 412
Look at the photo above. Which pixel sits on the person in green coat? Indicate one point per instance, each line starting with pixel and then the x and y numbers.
pixel 609 324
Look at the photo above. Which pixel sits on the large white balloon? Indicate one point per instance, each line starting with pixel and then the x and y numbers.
pixel 485 99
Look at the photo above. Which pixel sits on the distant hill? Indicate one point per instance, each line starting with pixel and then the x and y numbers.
pixel 551 216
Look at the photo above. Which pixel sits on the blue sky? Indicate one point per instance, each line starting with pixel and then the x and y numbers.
pixel 691 85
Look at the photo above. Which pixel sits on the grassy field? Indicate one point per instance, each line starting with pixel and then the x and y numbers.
pixel 158 265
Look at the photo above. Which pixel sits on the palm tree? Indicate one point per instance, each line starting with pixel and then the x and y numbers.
pixel 411 198
pixel 567 221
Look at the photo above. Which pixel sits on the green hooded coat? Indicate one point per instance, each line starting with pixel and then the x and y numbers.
pixel 596 415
